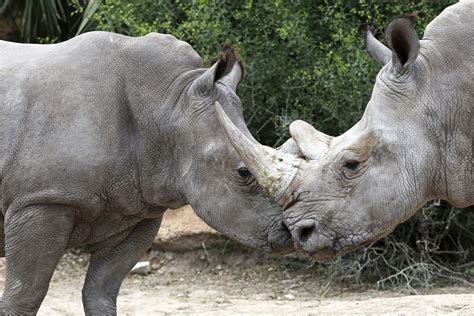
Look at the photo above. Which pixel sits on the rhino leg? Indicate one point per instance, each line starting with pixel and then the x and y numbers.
pixel 109 266
pixel 35 239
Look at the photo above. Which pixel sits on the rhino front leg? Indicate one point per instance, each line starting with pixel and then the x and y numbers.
pixel 35 239
pixel 109 266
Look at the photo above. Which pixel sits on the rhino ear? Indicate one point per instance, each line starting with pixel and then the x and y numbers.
pixel 234 77
pixel 376 49
pixel 403 41
pixel 222 67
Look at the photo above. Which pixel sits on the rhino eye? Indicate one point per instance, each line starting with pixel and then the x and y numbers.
pixel 243 172
pixel 351 164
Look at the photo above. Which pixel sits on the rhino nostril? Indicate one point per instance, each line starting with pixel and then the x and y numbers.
pixel 306 233
pixel 309 237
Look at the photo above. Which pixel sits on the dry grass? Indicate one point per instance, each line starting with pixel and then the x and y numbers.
pixel 434 248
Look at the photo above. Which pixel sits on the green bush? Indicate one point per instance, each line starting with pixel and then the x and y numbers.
pixel 45 21
pixel 304 59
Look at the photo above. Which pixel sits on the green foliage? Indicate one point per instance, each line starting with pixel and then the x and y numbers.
pixel 470 270
pixel 304 59
pixel 47 21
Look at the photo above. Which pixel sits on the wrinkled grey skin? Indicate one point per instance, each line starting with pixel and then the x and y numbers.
pixel 414 142
pixel 99 136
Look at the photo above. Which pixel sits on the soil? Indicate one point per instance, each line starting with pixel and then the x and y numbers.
pixel 241 281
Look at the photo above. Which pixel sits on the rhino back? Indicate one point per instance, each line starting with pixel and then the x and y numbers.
pixel 452 31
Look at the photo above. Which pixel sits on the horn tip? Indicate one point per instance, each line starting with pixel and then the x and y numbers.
pixel 298 124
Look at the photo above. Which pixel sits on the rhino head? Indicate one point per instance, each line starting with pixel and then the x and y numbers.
pixel 411 145
pixel 213 177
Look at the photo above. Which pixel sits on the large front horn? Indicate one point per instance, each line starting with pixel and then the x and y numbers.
pixel 273 170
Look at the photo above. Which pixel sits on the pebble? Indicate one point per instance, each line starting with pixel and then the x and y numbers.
pixel 290 297
pixel 169 256
pixel 221 300
pixel 141 268
pixel 155 265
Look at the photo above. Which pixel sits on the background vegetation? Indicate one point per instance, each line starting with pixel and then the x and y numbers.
pixel 304 59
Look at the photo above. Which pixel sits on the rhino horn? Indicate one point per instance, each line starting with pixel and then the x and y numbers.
pixel 312 143
pixel 273 170
pixel 290 147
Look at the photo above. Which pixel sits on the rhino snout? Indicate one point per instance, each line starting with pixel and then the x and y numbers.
pixel 308 237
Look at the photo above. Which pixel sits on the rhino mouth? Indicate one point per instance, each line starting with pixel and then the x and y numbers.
pixel 280 240
pixel 344 245
pixel 317 240
pixel 339 248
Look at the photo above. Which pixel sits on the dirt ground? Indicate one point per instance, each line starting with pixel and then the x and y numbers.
pixel 236 282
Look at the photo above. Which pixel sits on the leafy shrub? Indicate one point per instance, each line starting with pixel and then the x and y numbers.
pixel 45 21
pixel 304 59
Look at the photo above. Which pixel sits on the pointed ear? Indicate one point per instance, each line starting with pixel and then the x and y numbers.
pixel 223 66
pixel 404 43
pixel 234 77
pixel 376 49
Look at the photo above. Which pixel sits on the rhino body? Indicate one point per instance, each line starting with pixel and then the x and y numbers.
pixel 99 135
pixel 413 144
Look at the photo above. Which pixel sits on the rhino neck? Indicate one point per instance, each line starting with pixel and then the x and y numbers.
pixel 158 121
pixel 448 118
pixel 449 124
pixel 452 168
pixel 457 178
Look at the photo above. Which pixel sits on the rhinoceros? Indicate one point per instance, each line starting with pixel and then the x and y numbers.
pixel 413 144
pixel 99 135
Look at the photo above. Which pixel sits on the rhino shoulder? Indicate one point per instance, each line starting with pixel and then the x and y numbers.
pixel 162 49
pixel 455 23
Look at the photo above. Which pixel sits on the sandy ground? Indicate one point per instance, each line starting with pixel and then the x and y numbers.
pixel 238 283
